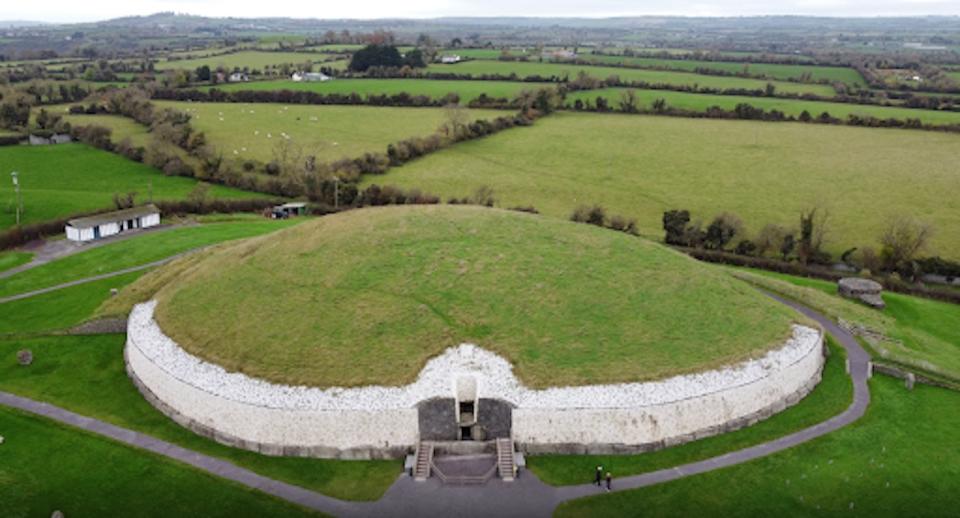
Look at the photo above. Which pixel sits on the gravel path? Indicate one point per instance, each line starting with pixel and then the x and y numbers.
pixel 527 496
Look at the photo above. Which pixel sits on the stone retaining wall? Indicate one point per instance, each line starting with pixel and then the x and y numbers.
pixel 383 422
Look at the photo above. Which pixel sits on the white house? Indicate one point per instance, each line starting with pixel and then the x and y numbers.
pixel 238 77
pixel 449 60
pixel 110 223
pixel 309 76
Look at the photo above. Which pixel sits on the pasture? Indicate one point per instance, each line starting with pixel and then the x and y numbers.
pixel 249 59
pixel 253 131
pixel 700 102
pixel 66 179
pixel 467 90
pixel 524 69
pixel 640 166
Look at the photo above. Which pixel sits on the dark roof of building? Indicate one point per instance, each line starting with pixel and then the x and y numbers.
pixel 113 217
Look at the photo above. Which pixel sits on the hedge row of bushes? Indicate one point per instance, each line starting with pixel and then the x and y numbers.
pixel 597 215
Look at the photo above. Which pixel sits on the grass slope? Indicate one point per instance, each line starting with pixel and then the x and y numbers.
pixel 467 90
pixel 250 130
pixel 831 397
pixel 58 181
pixel 566 303
pixel 523 69
pixel 900 459
pixel 700 102
pixel 13 259
pixel 45 467
pixel 86 375
pixel 640 166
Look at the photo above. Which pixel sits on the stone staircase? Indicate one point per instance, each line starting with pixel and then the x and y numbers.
pixel 506 463
pixel 423 460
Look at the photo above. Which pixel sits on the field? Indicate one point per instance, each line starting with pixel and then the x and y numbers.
pixel 700 102
pixel 13 259
pixel 467 90
pixel 640 166
pixel 252 60
pixel 399 285
pixel 523 69
pixel 58 181
pixel 252 131
pixel 833 74
pixel 899 459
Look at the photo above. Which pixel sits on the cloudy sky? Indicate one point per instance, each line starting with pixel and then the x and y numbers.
pixel 89 10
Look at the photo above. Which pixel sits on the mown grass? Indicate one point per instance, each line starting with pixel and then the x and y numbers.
pixel 467 90
pixel 249 59
pixel 829 398
pixel 86 374
pixel 928 331
pixel 151 246
pixel 13 259
pixel 45 466
pixel 900 459
pixel 775 71
pixel 254 131
pixel 523 69
pixel 700 102
pixel 58 181
pixel 640 166
pixel 392 287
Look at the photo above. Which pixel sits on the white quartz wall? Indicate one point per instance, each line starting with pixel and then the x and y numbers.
pixel 386 417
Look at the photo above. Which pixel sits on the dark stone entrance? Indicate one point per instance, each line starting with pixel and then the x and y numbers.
pixel 438 421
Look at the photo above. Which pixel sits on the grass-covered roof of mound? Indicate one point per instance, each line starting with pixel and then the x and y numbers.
pixel 368 296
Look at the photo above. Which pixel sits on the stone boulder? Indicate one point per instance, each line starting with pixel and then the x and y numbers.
pixel 864 290
pixel 24 357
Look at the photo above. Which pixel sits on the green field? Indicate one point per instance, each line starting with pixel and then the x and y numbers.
pixel 524 69
pixel 253 131
pixel 58 181
pixel 900 459
pixel 13 259
pixel 700 102
pixel 641 166
pixel 774 71
pixel 829 398
pixel 252 60
pixel 467 90
pixel 925 333
pixel 402 284
pixel 45 467
pixel 150 247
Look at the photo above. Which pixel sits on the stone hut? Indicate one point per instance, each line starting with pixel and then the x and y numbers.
pixel 864 290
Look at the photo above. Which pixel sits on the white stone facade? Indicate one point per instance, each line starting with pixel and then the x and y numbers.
pixel 382 421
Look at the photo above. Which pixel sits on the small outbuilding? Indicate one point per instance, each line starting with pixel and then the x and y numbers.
pixel 450 59
pixel 111 223
pixel 238 77
pixel 864 290
pixel 310 77
pixel 289 209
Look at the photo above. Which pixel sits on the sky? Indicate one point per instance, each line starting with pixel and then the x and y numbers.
pixel 65 11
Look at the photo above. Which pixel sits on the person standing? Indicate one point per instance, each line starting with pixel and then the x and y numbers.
pixel 598 478
pixel 609 481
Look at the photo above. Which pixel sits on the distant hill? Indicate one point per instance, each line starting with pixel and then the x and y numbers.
pixel 17 24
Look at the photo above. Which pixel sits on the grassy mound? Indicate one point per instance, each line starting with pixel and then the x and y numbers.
pixel 368 296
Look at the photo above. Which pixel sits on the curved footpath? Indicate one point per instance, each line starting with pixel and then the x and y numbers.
pixel 527 496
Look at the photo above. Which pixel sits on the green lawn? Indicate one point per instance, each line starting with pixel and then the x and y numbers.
pixel 467 90
pixel 45 467
pixel 13 259
pixel 253 131
pixel 150 247
pixel 399 285
pixel 249 59
pixel 524 69
pixel 640 166
pixel 901 459
pixel 928 329
pixel 86 374
pixel 121 127
pixel 700 102
pixel 774 71
pixel 831 397
pixel 58 181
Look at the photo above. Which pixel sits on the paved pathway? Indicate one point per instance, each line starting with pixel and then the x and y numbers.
pixel 527 496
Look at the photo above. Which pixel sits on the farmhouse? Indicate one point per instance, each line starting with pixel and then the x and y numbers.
pixel 448 60
pixel 238 77
pixel 289 209
pixel 310 77
pixel 110 223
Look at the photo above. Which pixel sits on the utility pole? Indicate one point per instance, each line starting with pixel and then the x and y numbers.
pixel 16 187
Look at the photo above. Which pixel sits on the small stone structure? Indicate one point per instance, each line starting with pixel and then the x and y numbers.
pixel 465 385
pixel 864 290
pixel 24 357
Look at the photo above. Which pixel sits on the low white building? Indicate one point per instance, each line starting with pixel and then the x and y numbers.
pixel 309 76
pixel 238 77
pixel 449 60
pixel 111 223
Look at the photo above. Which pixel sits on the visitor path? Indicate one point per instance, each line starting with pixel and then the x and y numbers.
pixel 527 496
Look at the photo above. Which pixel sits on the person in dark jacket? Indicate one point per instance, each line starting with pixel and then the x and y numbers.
pixel 609 481
pixel 599 476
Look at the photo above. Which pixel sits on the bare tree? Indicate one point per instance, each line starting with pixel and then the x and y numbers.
pixel 769 239
pixel 902 240
pixel 455 118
